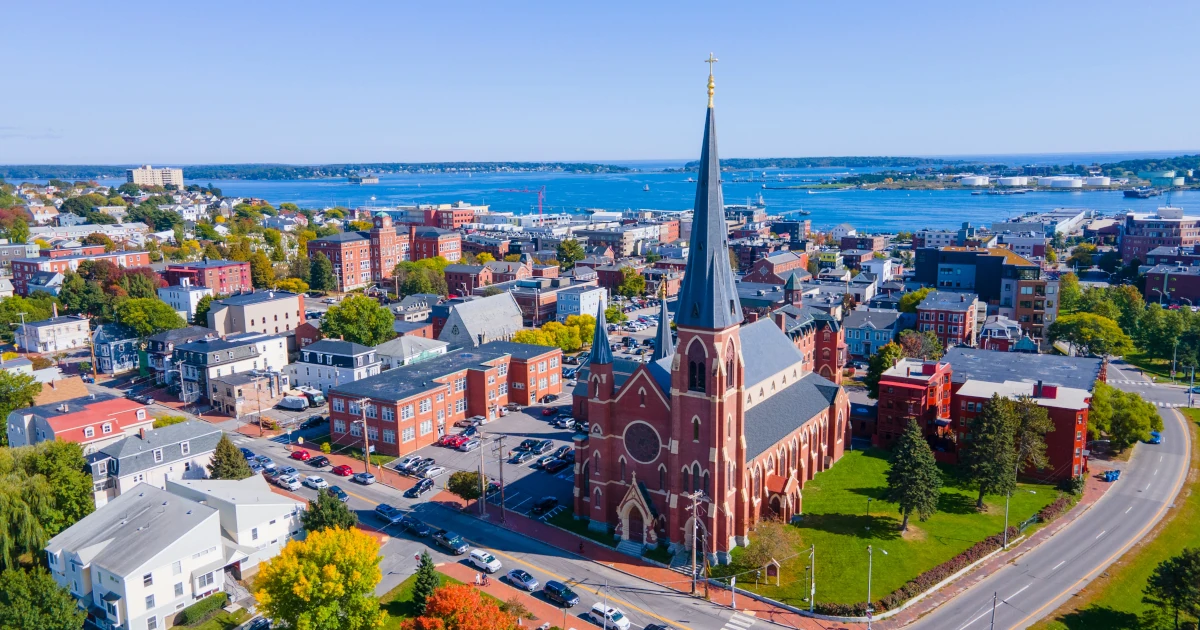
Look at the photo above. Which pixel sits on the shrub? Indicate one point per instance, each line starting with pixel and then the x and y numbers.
pixel 1055 510
pixel 326 448
pixel 202 609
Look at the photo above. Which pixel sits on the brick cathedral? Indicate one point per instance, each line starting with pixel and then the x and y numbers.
pixel 741 408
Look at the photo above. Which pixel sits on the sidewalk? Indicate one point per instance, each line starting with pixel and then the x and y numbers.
pixel 542 611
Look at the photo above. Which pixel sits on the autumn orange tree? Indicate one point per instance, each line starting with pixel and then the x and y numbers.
pixel 324 582
pixel 461 607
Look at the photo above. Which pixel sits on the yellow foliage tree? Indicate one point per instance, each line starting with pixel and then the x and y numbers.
pixel 324 582
pixel 295 285
pixel 484 258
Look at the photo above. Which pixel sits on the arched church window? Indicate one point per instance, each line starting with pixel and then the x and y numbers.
pixel 697 379
pixel 695 477
pixel 587 480
pixel 695 429
pixel 662 477
pixel 642 396
pixel 685 481
pixel 705 484
pixel 623 480
pixel 730 379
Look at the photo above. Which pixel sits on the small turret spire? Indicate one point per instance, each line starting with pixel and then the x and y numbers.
pixel 712 86
pixel 664 343
pixel 601 353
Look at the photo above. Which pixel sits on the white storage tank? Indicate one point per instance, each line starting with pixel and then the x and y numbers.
pixel 1067 182
pixel 1020 180
pixel 1098 180
pixel 974 180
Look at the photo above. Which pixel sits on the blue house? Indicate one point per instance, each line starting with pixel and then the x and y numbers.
pixel 116 348
pixel 868 330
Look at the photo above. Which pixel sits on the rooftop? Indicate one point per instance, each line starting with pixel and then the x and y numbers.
pixel 997 367
pixel 255 297
pixel 948 301
pixel 206 264
pixel 338 347
pixel 774 418
pixel 1063 397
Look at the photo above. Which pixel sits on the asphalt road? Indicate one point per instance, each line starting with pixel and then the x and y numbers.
pixel 1042 579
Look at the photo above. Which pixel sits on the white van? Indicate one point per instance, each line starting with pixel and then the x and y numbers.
pixel 610 618
pixel 484 561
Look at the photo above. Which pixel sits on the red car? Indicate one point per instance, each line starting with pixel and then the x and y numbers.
pixel 341 471
pixel 457 440
pixel 549 411
pixel 301 455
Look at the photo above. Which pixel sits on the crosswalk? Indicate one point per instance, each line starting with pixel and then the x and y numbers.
pixel 739 622
pixel 1129 382
pixel 1170 405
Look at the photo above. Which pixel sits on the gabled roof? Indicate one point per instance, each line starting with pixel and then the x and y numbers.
pixel 342 237
pixel 338 347
pixel 767 350
pixel 773 419
pixel 493 317
pixel 135 453
pixel 880 320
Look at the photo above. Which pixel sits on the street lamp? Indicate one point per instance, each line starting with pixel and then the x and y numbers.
pixel 870 565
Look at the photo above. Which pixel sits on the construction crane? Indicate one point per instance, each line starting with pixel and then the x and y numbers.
pixel 540 192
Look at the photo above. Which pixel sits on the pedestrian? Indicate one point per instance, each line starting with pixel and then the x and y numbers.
pixel 581 548
pixel 476 579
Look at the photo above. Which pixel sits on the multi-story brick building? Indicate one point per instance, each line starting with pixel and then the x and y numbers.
pixel 410 407
pixel 64 260
pixel 463 279
pixel 428 242
pixel 1172 284
pixel 350 253
pixel 224 277
pixel 1168 227
pixel 953 317
pixel 873 242
pixel 777 268
pixel 504 271
pixel 480 244
pixel 913 390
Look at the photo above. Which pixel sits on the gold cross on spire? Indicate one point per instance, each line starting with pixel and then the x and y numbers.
pixel 711 85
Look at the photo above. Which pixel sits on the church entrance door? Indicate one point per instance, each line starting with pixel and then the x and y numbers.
pixel 637 526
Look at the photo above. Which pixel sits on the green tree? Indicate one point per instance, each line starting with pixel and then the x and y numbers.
pixel 19 232
pixel 921 345
pixel 632 283
pixel 148 316
pixel 1091 334
pixel 325 582
pixel 11 309
pixel 1174 584
pixel 359 319
pixel 614 315
pixel 990 453
pixel 166 421
pixel 465 484
pixel 1032 423
pixel 327 512
pixel 45 490
pixel 909 301
pixel 80 296
pixel 300 268
pixel 1110 261
pixel 262 271
pixel 426 582
pixel 914 481
pixel 570 252
pixel 321 276
pixel 228 462
pixel 883 360
pixel 1124 417
pixel 96 238
pixel 1082 256
pixel 32 599
pixel 17 391
pixel 1069 293
pixel 202 309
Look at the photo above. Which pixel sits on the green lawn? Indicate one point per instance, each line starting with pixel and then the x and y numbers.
pixel 314 445
pixel 836 521
pixel 223 621
pixel 1159 370
pixel 398 604
pixel 1114 600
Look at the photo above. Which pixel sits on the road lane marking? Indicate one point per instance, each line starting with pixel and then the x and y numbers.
pixel 1156 472
pixel 1101 534
pixel 1116 554
pixel 1128 508
pixel 1058 565
pixel 1005 600
pixel 981 616
pixel 1147 486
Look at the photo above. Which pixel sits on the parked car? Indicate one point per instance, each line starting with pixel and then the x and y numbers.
pixel 342 470
pixel 484 561
pixel 470 422
pixel 432 471
pixel 289 482
pixel 544 504
pixel 314 421
pixel 563 450
pixel 560 594
pixel 549 411
pixel 365 478
pixel 316 482
pixel 247 453
pixel 261 623
pixel 609 617
pixel 417 469
pixel 543 460
pixel 469 445
pixel 301 455
pixel 403 464
pixel 556 465
pixel 265 462
pixel 271 474
pixel 422 486
pixel 388 513
pixel 414 526
pixel 564 423
pixel 255 467
pixel 549 398
pixel 458 440
pixel 520 457
pixel 522 580
pixel 338 493
pixel 287 471
pixel 451 541
pixel 320 461
pixel 527 445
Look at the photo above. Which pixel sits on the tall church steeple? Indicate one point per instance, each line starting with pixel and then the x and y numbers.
pixel 664 343
pixel 709 297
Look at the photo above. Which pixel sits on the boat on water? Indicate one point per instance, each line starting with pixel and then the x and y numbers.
pixel 833 190
pixel 803 212
pixel 1142 192
pixel 646 188
pixel 760 202
pixel 692 180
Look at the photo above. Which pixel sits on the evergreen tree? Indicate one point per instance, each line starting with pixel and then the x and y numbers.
pixel 202 308
pixel 1032 425
pixel 880 362
pixel 327 512
pixel 914 481
pixel 321 276
pixel 32 599
pixel 1175 584
pixel 990 458
pixel 228 462
pixel 426 583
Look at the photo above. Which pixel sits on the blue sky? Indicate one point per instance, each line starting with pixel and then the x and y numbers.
pixel 175 82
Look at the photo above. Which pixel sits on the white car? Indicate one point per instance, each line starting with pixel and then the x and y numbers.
pixel 290 483
pixel 484 561
pixel 610 618
pixel 315 482
pixel 433 471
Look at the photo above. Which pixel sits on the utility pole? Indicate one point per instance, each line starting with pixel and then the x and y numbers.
pixel 500 456
pixel 812 583
pixel 870 562
pixel 22 331
pixel 994 597
pixel 362 410
pixel 1007 497
pixel 482 480
pixel 695 510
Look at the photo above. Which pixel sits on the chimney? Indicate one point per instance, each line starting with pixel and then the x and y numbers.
pixel 962 298
pixel 781 319
pixel 1037 389
pixel 142 433
pixel 55 307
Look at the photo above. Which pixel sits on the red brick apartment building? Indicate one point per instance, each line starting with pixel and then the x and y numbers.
pixel 449 218
pixel 350 253
pixel 913 389
pixel 875 243
pixel 428 242
pixel 777 268
pixel 410 407
pixel 64 260
pixel 222 276
pixel 953 317
pixel 1168 227
pixel 462 279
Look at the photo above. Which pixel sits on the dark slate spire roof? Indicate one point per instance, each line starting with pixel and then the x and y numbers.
pixel 601 353
pixel 709 298
pixel 664 344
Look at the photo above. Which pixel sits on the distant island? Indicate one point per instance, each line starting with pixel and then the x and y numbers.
pixel 823 162
pixel 294 171
pixel 896 166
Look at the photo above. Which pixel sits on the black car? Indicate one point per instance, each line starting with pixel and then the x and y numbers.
pixel 544 504
pixel 423 486
pixel 262 623
pixel 560 594
pixel 451 541
pixel 320 461
pixel 527 445
pixel 314 421
pixel 657 626
pixel 556 465
pixel 414 526
pixel 548 398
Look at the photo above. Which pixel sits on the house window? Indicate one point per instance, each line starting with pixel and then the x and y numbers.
pixel 149 602
pixel 106 428
pixel 177 567
pixel 389 414
pixel 389 436
pixel 151 622
pixel 426 427
pixel 179 589
pixel 89 432
pixel 148 580
pixel 205 580
pixel 406 412
pixel 254 534
pixel 339 426
pixel 426 406
pixel 186 447
pixel 158 456
pixel 371 411
pixel 408 435
pixel 338 404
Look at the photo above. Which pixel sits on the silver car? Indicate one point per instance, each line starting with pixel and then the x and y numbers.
pixel 522 580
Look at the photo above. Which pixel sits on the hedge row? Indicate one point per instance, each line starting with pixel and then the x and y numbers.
pixel 932 577
pixel 202 609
